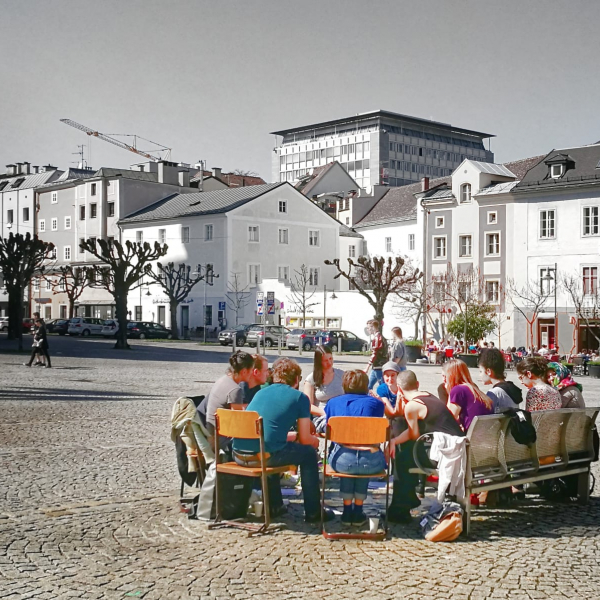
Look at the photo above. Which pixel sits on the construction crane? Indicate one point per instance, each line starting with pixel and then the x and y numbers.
pixel 119 143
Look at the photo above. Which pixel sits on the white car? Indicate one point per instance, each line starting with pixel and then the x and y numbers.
pixel 110 328
pixel 3 323
pixel 85 326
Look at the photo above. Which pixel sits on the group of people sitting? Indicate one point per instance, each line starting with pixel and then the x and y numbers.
pixel 288 411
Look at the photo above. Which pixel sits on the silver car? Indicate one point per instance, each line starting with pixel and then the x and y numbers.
pixel 302 338
pixel 85 326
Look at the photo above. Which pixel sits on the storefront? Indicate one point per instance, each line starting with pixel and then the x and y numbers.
pixel 95 309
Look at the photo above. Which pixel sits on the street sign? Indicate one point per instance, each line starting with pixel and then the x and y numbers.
pixel 260 298
pixel 221 305
pixel 270 303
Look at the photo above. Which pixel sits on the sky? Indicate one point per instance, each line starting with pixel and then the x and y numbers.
pixel 212 79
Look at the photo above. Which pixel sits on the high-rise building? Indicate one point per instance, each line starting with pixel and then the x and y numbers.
pixel 378 147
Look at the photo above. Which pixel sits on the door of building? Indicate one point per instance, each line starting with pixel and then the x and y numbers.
pixel 161 315
pixel 185 320
pixel 546 334
pixel 47 312
pixel 587 339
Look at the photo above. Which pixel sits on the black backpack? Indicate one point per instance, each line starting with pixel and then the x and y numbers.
pixel 520 426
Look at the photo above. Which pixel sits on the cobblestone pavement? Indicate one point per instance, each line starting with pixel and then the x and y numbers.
pixel 88 504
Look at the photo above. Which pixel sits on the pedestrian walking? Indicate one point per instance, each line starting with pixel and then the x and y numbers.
pixel 39 347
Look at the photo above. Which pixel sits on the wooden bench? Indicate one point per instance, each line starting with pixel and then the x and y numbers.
pixel 495 460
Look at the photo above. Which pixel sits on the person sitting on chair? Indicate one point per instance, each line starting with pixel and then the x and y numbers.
pixel 258 377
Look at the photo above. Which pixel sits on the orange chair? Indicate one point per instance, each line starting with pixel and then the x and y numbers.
pixel 247 425
pixel 357 431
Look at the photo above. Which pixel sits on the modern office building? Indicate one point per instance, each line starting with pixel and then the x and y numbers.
pixel 378 147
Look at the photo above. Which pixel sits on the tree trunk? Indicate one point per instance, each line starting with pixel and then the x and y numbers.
pixel 71 308
pixel 12 316
pixel 174 329
pixel 121 310
pixel 18 312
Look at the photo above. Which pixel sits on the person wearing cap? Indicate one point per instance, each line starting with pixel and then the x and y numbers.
pixel 388 391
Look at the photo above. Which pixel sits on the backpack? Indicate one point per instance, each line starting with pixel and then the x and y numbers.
pixel 520 426
pixel 442 523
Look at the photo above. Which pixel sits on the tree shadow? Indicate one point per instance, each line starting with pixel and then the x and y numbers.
pixel 69 395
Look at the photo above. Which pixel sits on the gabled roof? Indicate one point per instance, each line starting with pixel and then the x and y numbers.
pixel 489 168
pixel 520 167
pixel 199 203
pixel 24 182
pixel 346 231
pixel 127 174
pixel 72 174
pixel 309 182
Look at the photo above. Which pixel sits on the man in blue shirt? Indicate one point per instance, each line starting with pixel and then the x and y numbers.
pixel 281 406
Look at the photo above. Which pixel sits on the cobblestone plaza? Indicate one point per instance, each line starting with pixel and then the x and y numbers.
pixel 89 487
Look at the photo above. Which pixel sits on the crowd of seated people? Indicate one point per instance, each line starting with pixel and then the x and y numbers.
pixel 288 408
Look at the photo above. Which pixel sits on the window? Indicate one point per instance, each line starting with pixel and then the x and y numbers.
pixel 253 234
pixel 283 273
pixel 439 222
pixel 26 214
pixel 547 220
pixel 283 206
pixel 185 235
pixel 492 291
pixel 439 247
pixel 208 315
pixel 590 280
pixel 54 224
pixel 313 276
pixel 162 236
pixel 388 244
pixel 210 273
pixel 352 251
pixel 138 313
pixel 465 245
pixel 283 236
pixel 492 217
pixel 464 291
pixel 36 284
pixel 67 252
pixel 111 241
pixel 54 197
pixel 438 292
pixel 465 193
pixel 492 244
pixel 208 233
pixel 82 212
pixel 9 217
pixel 556 171
pixel 81 241
pixel 139 236
pixel 48 285
pixel 93 189
pixel 253 274
pixel 110 209
pixel 53 253
pixel 93 210
pixel 63 311
pixel 590 220
pixel 547 281
pixel 67 222
pixel 313 237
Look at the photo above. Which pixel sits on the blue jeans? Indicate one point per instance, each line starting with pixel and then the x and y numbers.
pixel 375 376
pixel 356 462
pixel 304 457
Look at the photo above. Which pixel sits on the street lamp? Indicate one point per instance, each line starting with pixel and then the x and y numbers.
pixel 333 297
pixel 549 278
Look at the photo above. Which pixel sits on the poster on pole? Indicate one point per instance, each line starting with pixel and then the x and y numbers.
pixel 270 303
pixel 260 299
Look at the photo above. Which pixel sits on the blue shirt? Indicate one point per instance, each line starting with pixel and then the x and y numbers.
pixel 354 405
pixel 383 391
pixel 280 407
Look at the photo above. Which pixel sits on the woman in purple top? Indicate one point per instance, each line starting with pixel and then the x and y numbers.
pixel 465 400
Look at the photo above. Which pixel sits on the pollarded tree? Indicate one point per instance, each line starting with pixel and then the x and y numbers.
pixel 530 300
pixel 120 270
pixel 376 278
pixel 68 280
pixel 21 257
pixel 177 283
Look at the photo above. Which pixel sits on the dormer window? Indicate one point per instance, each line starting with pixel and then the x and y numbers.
pixel 465 193
pixel 556 171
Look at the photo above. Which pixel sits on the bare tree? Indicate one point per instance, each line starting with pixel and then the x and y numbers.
pixel 529 300
pixel 301 293
pixel 121 269
pixel 237 296
pixel 177 283
pixel 586 301
pixel 245 173
pixel 70 281
pixel 376 278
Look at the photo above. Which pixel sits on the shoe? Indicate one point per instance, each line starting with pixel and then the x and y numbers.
pixel 46 367
pixel 278 511
pixel 399 516
pixel 358 516
pixel 37 364
pixel 328 515
pixel 26 365
pixel 347 514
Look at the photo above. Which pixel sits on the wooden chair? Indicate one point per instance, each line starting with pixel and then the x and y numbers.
pixel 357 431
pixel 246 425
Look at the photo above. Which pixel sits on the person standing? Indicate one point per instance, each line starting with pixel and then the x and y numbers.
pixel 379 354
pixel 398 349
pixel 40 345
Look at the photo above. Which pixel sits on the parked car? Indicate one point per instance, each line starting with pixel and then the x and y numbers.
pixel 85 326
pixel 350 342
pixel 110 328
pixel 145 329
pixel 60 326
pixel 240 332
pixel 27 324
pixel 302 338
pixel 273 333
pixel 3 323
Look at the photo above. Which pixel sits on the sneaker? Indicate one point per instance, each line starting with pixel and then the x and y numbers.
pixel 26 365
pixel 278 511
pixel 328 515
pixel 399 516
pixel 347 515
pixel 358 516
pixel 46 367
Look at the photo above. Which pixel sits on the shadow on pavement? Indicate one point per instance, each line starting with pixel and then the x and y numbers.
pixel 62 395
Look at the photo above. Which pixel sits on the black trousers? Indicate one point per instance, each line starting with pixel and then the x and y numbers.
pixel 39 350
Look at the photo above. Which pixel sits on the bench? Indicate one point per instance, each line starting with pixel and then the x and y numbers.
pixel 495 460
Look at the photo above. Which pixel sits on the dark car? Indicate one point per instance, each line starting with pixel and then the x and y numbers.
pixel 59 326
pixel 144 329
pixel 350 342
pixel 302 338
pixel 240 332
pixel 272 335
pixel 27 324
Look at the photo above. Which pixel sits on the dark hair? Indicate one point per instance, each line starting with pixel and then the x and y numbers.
pixel 286 370
pixel 492 359
pixel 407 380
pixel 536 365
pixel 258 361
pixel 320 351
pixel 241 360
pixel 355 382
pixel 375 324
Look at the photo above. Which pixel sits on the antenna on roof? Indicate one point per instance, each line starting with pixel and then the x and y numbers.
pixel 81 163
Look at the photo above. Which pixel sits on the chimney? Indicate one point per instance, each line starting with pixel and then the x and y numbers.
pixel 49 168
pixel 184 178
pixel 424 184
pixel 11 169
pixel 35 168
pixel 216 171
pixel 26 168
pixel 19 168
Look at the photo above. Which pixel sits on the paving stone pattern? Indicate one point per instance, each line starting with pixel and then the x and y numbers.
pixel 88 504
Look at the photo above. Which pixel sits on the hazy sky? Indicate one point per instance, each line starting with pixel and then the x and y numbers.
pixel 211 79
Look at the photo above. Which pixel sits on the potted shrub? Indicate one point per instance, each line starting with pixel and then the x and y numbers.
pixel 470 359
pixel 594 368
pixel 413 350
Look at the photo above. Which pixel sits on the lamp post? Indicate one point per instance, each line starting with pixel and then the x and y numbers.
pixel 333 297
pixel 549 278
